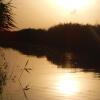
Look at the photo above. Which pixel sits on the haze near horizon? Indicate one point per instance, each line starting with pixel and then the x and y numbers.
pixel 47 13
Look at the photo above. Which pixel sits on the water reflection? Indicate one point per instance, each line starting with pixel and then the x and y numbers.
pixel 3 71
pixel 48 81
pixel 68 85
pixel 61 57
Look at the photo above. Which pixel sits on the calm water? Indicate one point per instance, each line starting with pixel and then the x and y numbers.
pixel 45 81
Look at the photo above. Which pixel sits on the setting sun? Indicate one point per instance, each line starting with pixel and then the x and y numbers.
pixel 72 4
pixel 46 13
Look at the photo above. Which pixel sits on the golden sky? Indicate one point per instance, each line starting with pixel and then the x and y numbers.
pixel 46 13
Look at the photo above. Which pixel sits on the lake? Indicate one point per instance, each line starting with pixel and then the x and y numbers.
pixel 36 78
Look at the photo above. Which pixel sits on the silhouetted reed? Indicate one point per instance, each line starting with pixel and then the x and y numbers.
pixel 3 72
pixel 6 19
pixel 26 88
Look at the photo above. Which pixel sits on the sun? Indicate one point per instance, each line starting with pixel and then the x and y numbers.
pixel 72 4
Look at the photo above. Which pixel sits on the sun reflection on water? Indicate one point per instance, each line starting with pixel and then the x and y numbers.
pixel 68 85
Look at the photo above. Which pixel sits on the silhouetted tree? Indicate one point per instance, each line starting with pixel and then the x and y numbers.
pixel 6 19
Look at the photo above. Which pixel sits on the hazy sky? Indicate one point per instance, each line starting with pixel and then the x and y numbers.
pixel 46 13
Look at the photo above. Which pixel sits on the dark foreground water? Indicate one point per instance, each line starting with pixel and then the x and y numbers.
pixel 32 78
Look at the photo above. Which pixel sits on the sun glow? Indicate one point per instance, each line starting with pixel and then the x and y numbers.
pixel 72 4
pixel 69 86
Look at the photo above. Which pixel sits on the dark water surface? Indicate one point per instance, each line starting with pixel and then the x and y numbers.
pixel 32 78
